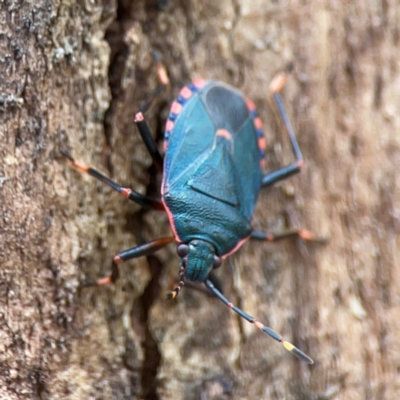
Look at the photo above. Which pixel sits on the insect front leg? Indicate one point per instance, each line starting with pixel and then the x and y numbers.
pixel 128 193
pixel 135 252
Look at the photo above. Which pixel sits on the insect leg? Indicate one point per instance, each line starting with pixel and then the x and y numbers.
pixel 287 345
pixel 135 252
pixel 276 86
pixel 296 233
pixel 140 121
pixel 130 194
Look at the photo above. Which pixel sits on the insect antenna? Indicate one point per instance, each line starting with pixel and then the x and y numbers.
pixel 287 345
pixel 179 286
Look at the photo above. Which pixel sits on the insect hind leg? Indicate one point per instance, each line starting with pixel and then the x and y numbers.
pixel 303 234
pixel 275 88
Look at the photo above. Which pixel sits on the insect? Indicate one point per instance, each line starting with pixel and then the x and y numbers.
pixel 212 173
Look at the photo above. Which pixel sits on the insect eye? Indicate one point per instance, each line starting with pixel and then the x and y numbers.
pixel 182 250
pixel 217 262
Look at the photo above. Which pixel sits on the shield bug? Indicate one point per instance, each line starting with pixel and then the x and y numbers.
pixel 212 172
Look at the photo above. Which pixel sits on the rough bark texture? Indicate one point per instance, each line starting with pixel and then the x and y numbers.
pixel 72 76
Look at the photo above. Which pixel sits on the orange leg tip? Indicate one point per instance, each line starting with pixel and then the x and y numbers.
pixel 259 325
pixel 81 166
pixel 104 281
pixel 278 82
pixel 162 75
pixel 118 260
pixel 270 238
pixel 126 192
pixel 306 235
pixel 300 163
pixel 139 117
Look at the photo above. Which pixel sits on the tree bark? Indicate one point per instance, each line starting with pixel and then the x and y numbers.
pixel 72 76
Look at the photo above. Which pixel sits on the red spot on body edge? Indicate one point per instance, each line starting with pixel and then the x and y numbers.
pixel 199 83
pixel 169 125
pixel 176 107
pixel 185 92
pixel 250 104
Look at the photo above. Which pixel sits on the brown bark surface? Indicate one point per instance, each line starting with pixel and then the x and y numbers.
pixel 72 76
